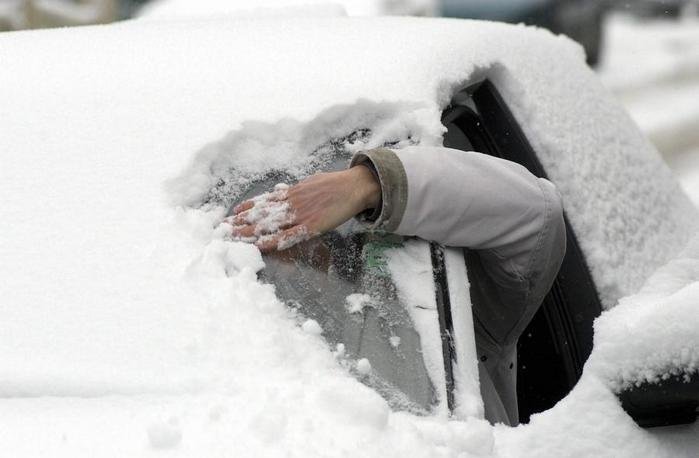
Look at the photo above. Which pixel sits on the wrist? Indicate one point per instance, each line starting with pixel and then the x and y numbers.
pixel 366 187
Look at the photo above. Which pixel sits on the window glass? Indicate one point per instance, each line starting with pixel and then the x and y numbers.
pixel 342 281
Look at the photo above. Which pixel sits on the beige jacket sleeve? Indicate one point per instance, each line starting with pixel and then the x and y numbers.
pixel 471 200
pixel 510 221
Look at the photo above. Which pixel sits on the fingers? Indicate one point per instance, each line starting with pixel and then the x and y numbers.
pixel 240 219
pixel 247 231
pixel 268 221
pixel 243 206
pixel 284 239
pixel 244 232
pixel 265 214
pixel 280 193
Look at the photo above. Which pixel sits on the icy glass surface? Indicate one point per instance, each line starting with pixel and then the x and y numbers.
pixel 341 280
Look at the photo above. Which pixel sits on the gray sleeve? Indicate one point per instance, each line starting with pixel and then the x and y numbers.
pixel 472 200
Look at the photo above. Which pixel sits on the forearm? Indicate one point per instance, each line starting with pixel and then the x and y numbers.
pixel 469 200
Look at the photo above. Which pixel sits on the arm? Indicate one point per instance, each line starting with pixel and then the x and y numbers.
pixel 471 200
pixel 318 204
pixel 511 221
pixel 449 196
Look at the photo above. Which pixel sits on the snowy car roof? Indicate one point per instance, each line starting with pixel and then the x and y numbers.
pixel 118 280
pixel 185 8
pixel 169 9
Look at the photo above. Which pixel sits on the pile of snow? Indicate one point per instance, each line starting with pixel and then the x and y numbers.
pixel 653 334
pixel 357 301
pixel 119 281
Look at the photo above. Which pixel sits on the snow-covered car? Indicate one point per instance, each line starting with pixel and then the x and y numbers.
pixel 132 320
pixel 659 8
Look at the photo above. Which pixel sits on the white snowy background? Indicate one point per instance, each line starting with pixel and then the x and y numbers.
pixel 652 67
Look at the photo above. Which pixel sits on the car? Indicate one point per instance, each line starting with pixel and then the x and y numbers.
pixel 580 20
pixel 658 8
pixel 133 321
pixel 21 14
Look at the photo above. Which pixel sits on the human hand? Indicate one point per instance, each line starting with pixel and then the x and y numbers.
pixel 291 214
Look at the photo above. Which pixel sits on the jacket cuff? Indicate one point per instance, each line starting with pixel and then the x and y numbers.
pixel 394 187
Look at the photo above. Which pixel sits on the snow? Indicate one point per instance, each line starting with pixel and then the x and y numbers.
pixel 599 427
pixel 668 115
pixel 164 435
pixel 411 271
pixel 640 53
pixel 169 9
pixel 665 310
pixel 686 168
pixel 357 301
pixel 653 68
pixel 312 327
pixel 269 213
pixel 187 8
pixel 467 396
pixel 125 304
pixel 364 366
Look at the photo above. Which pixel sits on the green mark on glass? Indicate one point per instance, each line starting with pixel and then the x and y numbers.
pixel 373 253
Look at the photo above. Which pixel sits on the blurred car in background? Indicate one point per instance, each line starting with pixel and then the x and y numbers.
pixel 658 8
pixel 41 14
pixel 580 20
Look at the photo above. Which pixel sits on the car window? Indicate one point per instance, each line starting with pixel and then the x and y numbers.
pixel 342 280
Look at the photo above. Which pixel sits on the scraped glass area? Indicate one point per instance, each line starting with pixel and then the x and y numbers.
pixel 341 280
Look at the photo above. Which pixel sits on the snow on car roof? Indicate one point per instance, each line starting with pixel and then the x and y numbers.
pixel 184 8
pixel 117 281
pixel 169 9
